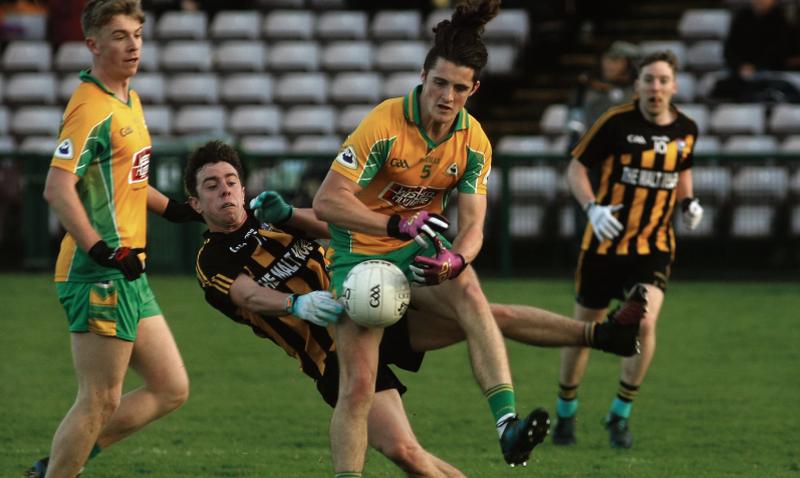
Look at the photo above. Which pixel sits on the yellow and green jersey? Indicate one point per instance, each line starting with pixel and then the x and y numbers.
pixel 401 170
pixel 105 142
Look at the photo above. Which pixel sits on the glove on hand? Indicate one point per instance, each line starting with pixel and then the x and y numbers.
pixel 123 258
pixel 318 307
pixel 435 270
pixel 415 226
pixel 270 207
pixel 604 224
pixel 691 212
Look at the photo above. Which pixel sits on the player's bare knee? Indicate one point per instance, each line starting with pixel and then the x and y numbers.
pixel 358 391
pixel 407 454
pixel 175 395
pixel 100 403
pixel 503 315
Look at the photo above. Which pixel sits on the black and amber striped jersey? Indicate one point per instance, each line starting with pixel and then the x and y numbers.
pixel 276 259
pixel 639 164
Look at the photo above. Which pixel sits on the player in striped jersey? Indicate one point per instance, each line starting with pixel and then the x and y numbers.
pixel 272 279
pixel 644 153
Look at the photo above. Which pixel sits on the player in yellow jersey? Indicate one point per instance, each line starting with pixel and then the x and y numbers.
pixel 644 153
pixel 98 187
pixel 383 198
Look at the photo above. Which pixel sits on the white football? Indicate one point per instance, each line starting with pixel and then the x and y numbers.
pixel 376 294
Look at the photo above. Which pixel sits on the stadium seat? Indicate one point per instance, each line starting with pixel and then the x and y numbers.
pixel 294 56
pixel 200 119
pixel 526 221
pixel 246 120
pixel 566 222
pixel 310 120
pixel 73 56
pixel 32 88
pixel 236 25
pixel 704 23
pixel 342 25
pixel 434 18
pixel 794 221
pixel 704 229
pixel 785 119
pixel 24 55
pixel 289 25
pixel 752 221
pixel 7 144
pixel 149 60
pixel 523 145
pixel 350 117
pixel 705 55
pixel 396 25
pixel 2 88
pixel 4 115
pixel 302 88
pixel 355 88
pixel 314 144
pixel 347 55
pixel 794 184
pixel 181 55
pixel 711 182
pixel 738 119
pixel 196 88
pixel 559 145
pixel 67 86
pixel 241 55
pixel 149 27
pixel 761 182
pixel 182 25
pixel 151 87
pixel 509 25
pixel 269 4
pixel 264 144
pixel 400 83
pixel 400 55
pixel 697 112
pixel 687 86
pixel 158 119
pixel 707 145
pixel 534 181
pixel 554 119
pixel 791 144
pixel 501 59
pixel 36 120
pixel 44 145
pixel 676 47
pixel 247 88
pixel 24 26
pixel 746 144
pixel 327 4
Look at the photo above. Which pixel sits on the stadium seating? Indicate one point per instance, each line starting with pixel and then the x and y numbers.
pixel 4 114
pixel 66 86
pixel 255 120
pixel 534 181
pixel 302 88
pixel 342 25
pixel 761 183
pixel 400 55
pixel 350 117
pixel 38 144
pixel 289 25
pixel 752 221
pixel 36 120
pixel 24 26
pixel 310 120
pixel 794 223
pixel 149 59
pixel 554 119
pixel 501 59
pixel 699 113
pixel 400 83
pixel 158 119
pixel 704 24
pixel 523 145
pixel 705 55
pixel 184 55
pixel 23 55
pixel 241 55
pixel 294 56
pixel 509 25
pixel 347 55
pixel 730 118
pixel 356 88
pixel 785 119
pixel 73 56
pixel 200 119
pixel 526 221
pixel 236 25
pixel 38 88
pixel 182 25
pixel 196 88
pixel 711 182
pixel 791 144
pixel 687 87
pixel 396 25
pixel 151 87
pixel 7 144
pixel 316 144
pixel 750 144
pixel 252 88
pixel 264 144
pixel 707 145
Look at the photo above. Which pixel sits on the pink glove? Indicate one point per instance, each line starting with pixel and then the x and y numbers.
pixel 416 226
pixel 435 270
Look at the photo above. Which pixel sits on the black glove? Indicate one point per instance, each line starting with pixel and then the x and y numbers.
pixel 123 258
pixel 181 212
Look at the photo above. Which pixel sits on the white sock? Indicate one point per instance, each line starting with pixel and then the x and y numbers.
pixel 503 423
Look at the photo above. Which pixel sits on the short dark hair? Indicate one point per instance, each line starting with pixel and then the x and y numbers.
pixel 97 13
pixel 663 55
pixel 459 40
pixel 212 152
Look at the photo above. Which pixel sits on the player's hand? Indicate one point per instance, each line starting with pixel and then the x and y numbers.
pixel 435 270
pixel 123 258
pixel 604 224
pixel 318 307
pixel 691 212
pixel 181 212
pixel 414 227
pixel 270 207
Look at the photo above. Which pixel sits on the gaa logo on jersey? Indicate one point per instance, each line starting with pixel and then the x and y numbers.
pixel 408 197
pixel 140 167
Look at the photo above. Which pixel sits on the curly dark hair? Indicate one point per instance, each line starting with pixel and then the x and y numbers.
pixel 212 152
pixel 459 40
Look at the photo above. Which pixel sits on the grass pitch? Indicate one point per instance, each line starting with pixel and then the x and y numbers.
pixel 720 400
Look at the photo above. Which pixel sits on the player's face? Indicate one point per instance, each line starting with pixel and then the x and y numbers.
pixel 445 89
pixel 656 86
pixel 220 197
pixel 117 46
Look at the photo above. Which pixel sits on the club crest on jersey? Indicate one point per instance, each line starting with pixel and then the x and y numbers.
pixel 140 168
pixel 64 150
pixel 347 158
pixel 408 197
pixel 452 170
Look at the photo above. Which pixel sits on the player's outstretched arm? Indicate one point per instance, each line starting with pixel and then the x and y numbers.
pixel 272 208
pixel 170 209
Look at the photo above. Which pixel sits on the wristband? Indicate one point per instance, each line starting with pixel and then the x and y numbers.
pixel 588 205
pixel 290 303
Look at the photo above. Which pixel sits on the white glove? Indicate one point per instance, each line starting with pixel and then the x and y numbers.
pixel 691 212
pixel 318 307
pixel 604 224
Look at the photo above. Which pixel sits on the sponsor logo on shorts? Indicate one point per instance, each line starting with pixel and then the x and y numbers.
pixel 408 197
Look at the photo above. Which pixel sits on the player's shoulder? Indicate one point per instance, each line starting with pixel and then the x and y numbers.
pixel 388 111
pixel 623 112
pixel 475 132
pixel 88 102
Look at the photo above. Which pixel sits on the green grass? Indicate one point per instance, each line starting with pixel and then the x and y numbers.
pixel 721 398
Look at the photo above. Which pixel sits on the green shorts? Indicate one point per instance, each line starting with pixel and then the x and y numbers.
pixel 343 261
pixel 111 308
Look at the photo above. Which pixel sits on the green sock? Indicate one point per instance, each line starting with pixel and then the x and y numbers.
pixel 95 451
pixel 348 474
pixel 501 400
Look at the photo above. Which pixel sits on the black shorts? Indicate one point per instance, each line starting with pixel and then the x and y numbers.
pixel 600 278
pixel 395 349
